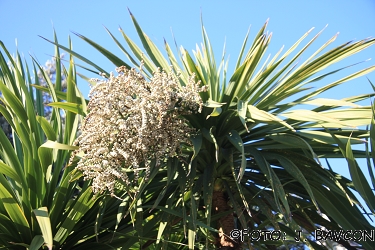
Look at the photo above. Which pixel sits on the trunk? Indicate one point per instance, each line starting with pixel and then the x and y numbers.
pixel 225 224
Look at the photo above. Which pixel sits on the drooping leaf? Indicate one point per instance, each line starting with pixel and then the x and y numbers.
pixel 57 145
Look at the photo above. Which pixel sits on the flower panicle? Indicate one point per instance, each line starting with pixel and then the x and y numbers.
pixel 131 121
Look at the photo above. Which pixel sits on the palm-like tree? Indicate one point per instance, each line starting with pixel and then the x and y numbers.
pixel 254 163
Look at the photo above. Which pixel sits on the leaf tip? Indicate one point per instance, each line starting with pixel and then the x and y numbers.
pixel 310 30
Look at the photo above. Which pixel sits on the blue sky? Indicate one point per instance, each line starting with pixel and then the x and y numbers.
pixel 224 21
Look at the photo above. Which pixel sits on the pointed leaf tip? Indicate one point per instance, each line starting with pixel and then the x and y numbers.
pixel 310 30
pixel 76 33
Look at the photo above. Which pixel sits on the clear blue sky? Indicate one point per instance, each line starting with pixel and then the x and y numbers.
pixel 224 20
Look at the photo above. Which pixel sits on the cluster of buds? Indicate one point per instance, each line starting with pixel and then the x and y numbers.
pixel 132 121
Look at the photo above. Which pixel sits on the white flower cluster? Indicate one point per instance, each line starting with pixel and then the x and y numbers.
pixel 132 121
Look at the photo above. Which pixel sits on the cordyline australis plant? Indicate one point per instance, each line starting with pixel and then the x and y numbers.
pixel 253 159
pixel 133 121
